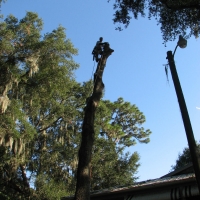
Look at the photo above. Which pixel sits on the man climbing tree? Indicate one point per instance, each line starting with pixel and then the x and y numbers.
pixel 88 134
pixel 98 49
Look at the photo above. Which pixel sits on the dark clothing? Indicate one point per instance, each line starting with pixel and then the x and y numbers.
pixel 97 50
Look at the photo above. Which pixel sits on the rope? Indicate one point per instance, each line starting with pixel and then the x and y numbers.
pixel 93 69
pixel 92 75
pixel 96 74
pixel 97 71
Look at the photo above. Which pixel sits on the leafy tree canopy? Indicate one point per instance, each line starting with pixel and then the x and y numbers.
pixel 184 158
pixel 41 116
pixel 119 126
pixel 174 17
pixel 34 69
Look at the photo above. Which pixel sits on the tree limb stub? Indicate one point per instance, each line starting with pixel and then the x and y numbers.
pixel 85 151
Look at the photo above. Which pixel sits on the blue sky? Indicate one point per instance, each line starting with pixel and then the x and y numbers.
pixel 134 71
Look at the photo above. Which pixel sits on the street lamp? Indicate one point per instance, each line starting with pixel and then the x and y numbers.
pixel 182 43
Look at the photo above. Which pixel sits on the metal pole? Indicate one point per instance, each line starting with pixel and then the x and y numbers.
pixel 186 119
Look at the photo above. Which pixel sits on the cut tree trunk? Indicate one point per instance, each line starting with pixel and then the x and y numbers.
pixel 85 151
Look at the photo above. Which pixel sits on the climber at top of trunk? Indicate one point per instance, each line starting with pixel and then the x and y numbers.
pixel 98 49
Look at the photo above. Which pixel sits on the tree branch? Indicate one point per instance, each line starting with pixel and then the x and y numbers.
pixel 174 6
pixel 50 124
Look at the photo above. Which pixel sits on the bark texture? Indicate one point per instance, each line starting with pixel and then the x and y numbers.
pixel 85 151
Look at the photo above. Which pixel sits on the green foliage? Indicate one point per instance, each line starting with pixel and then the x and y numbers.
pixel 4 196
pixel 41 114
pixel 118 124
pixel 184 158
pixel 49 188
pixel 174 17
pixel 111 167
pixel 33 101
pixel 121 122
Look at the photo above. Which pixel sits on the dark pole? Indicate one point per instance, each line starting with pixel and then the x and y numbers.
pixel 185 117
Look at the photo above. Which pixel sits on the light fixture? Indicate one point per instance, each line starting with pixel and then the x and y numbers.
pixel 182 43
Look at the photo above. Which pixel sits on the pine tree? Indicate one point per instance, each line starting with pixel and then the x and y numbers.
pixel 110 166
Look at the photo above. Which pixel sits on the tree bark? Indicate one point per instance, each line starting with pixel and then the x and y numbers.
pixel 85 151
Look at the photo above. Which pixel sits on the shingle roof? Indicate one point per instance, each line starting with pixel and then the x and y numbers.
pixel 149 183
pixel 144 185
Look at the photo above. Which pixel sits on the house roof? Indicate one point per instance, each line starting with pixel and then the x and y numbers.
pixel 178 184
pixel 165 186
pixel 183 170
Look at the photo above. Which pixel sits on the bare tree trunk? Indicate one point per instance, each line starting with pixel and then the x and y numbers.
pixel 85 151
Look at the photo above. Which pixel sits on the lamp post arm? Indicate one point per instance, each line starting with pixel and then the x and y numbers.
pixel 185 117
pixel 175 50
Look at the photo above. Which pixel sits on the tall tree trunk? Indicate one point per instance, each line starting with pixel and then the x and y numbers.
pixel 85 151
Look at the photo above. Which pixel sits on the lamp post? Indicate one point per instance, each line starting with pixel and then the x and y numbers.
pixel 182 43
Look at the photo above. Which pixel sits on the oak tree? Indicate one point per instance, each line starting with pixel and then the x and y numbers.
pixel 173 17
pixel 34 69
